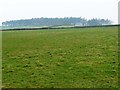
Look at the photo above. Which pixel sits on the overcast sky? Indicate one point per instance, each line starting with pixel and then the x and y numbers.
pixel 27 9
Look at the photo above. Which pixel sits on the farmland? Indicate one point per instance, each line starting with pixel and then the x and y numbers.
pixel 63 58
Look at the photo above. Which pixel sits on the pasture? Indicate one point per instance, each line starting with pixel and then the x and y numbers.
pixel 60 58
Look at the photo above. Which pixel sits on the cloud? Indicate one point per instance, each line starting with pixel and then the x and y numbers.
pixel 25 9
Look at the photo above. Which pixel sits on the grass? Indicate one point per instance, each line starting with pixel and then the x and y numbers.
pixel 63 58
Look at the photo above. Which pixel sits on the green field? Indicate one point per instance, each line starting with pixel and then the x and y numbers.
pixel 63 58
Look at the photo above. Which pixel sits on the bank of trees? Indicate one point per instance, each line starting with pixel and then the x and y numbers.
pixel 56 21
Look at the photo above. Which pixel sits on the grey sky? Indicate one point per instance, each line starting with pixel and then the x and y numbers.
pixel 27 9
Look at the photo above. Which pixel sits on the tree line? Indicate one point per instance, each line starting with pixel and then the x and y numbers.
pixel 57 21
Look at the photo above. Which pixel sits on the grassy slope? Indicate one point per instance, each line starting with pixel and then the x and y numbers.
pixel 84 58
